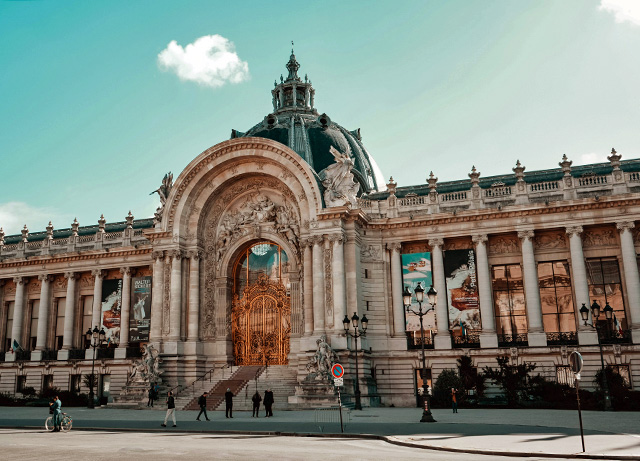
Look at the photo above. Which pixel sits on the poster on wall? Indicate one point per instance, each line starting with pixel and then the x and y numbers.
pixel 416 268
pixel 111 305
pixel 140 316
pixel 462 290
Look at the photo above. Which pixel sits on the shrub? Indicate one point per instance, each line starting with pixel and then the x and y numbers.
pixel 28 392
pixel 49 393
pixel 515 380
pixel 442 388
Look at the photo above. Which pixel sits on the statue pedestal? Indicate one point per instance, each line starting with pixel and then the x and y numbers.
pixel 314 394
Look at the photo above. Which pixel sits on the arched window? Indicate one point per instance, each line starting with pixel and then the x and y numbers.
pixel 264 257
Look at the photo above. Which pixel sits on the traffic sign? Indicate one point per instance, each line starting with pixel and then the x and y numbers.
pixel 337 371
pixel 338 382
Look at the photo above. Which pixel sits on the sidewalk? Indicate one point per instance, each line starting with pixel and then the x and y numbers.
pixel 543 433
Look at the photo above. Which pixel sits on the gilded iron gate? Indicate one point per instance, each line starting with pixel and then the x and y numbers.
pixel 261 324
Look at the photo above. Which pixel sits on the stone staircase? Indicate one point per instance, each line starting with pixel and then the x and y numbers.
pixel 281 379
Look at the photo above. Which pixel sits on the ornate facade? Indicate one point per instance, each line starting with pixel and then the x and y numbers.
pixel 266 241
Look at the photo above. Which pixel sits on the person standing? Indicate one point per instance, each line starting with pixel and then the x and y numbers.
pixel 256 399
pixel 56 406
pixel 228 399
pixel 268 403
pixel 202 401
pixel 454 400
pixel 171 410
pixel 152 396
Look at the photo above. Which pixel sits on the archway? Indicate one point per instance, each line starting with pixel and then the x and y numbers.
pixel 261 310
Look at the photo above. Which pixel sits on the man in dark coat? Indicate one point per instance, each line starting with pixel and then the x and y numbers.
pixel 228 399
pixel 256 399
pixel 202 401
pixel 152 396
pixel 171 410
pixel 268 403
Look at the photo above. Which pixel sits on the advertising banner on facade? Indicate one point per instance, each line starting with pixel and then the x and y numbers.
pixel 462 289
pixel 140 316
pixel 111 305
pixel 416 268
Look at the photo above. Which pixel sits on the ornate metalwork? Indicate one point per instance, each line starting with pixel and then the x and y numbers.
pixel 614 337
pixel 568 338
pixel 470 340
pixel 261 324
pixel 513 340
pixel 415 341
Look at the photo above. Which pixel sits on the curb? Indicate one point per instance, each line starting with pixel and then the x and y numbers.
pixel 389 439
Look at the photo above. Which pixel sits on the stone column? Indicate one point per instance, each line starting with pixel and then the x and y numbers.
pixel 399 326
pixel 586 335
pixel 488 336
pixel 157 294
pixel 339 288
pixel 96 313
pixel 43 312
pixel 194 296
pixel 443 336
pixel 125 312
pixel 175 297
pixel 631 277
pixel 308 286
pixel 536 335
pixel 18 312
pixel 69 311
pixel 318 285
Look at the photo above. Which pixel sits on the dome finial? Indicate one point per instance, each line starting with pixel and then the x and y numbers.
pixel 292 67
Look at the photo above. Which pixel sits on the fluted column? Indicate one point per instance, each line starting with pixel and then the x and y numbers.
pixel 631 276
pixel 339 288
pixel 399 326
pixel 157 294
pixel 194 296
pixel 536 334
pixel 69 311
pixel 308 285
pixel 488 336
pixel 18 310
pixel 580 284
pixel 443 335
pixel 318 284
pixel 175 299
pixel 96 313
pixel 43 312
pixel 125 309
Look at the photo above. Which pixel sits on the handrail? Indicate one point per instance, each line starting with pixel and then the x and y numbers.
pixel 208 373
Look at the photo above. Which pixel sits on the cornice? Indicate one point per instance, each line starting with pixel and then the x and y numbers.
pixel 72 258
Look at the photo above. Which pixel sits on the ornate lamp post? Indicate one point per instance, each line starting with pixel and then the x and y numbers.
pixel 96 338
pixel 595 313
pixel 356 334
pixel 432 297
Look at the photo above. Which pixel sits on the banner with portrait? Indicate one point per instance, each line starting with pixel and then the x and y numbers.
pixel 462 290
pixel 111 306
pixel 416 268
pixel 140 315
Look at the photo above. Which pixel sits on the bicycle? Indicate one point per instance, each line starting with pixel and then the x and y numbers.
pixel 65 424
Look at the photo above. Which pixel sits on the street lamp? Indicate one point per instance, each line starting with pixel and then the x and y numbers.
pixel 356 334
pixel 96 338
pixel 595 313
pixel 432 298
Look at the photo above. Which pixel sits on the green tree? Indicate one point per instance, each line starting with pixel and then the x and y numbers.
pixel 514 380
pixel 470 377
pixel 442 388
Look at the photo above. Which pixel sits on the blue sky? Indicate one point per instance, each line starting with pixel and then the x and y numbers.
pixel 91 118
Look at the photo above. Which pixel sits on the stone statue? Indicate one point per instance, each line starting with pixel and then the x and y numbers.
pixel 147 370
pixel 163 192
pixel 337 179
pixel 319 367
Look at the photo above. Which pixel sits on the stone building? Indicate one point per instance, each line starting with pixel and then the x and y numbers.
pixel 266 241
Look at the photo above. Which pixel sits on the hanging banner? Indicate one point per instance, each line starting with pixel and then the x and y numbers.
pixel 140 316
pixel 462 290
pixel 111 305
pixel 416 268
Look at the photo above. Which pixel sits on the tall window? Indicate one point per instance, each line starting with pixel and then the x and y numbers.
pixel 558 313
pixel 87 310
pixel 262 258
pixel 605 287
pixel 7 337
pixel 508 299
pixel 33 325
pixel 60 324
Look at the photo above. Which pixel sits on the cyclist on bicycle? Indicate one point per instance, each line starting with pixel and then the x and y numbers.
pixel 56 406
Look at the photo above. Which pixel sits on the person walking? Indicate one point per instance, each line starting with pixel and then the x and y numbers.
pixel 256 399
pixel 171 410
pixel 228 398
pixel 454 400
pixel 56 407
pixel 268 403
pixel 152 396
pixel 202 401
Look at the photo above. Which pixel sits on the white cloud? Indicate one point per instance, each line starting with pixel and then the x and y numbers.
pixel 623 10
pixel 14 215
pixel 592 157
pixel 211 60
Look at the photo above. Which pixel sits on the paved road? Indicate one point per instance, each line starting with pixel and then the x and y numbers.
pixel 25 445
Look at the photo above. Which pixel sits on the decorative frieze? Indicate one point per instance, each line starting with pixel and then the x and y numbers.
pixel 599 238
pixel 503 245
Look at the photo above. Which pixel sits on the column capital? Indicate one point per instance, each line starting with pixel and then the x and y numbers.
pixel 98 273
pixel 337 238
pixel 479 238
pixel 571 230
pixel 317 239
pixel 194 255
pixel 305 242
pixel 176 254
pixel 394 246
pixel 125 271
pixel 45 278
pixel 625 226
pixel 526 234
pixel 71 275
pixel 20 280
pixel 158 254
pixel 436 242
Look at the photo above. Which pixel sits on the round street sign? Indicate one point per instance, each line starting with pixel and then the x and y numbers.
pixel 337 370
pixel 575 362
